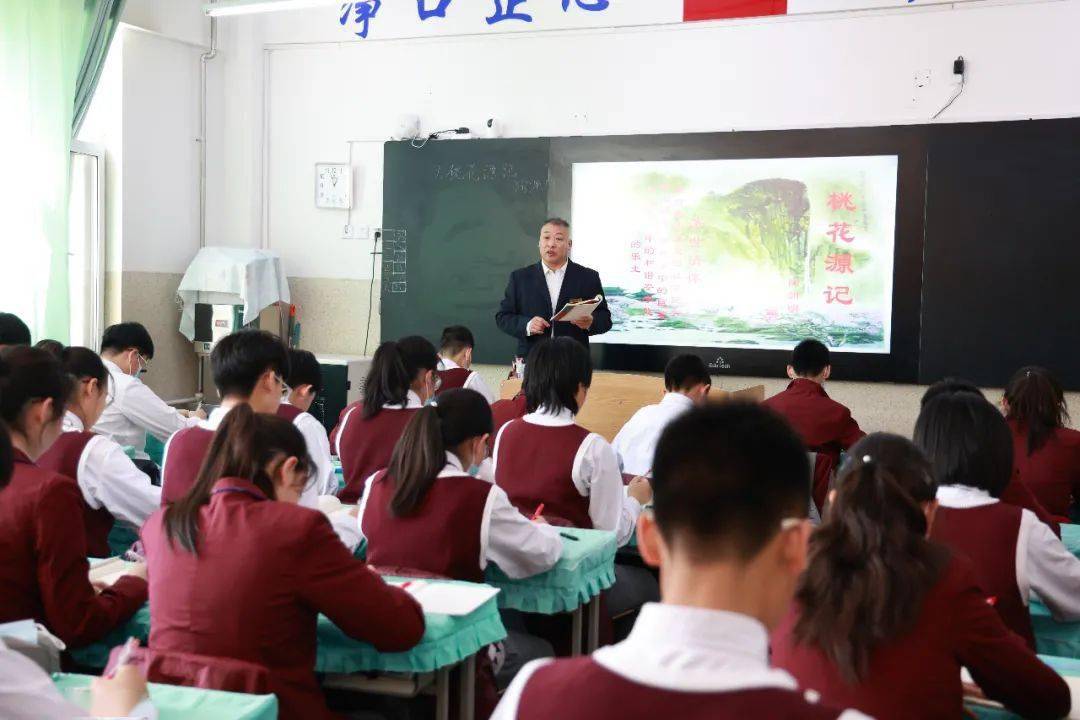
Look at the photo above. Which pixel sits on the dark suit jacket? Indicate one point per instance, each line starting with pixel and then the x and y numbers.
pixel 527 297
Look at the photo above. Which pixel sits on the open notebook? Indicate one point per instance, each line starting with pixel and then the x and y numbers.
pixel 1071 681
pixel 446 598
pixel 109 571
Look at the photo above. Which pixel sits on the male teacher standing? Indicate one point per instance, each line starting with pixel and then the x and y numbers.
pixel 536 292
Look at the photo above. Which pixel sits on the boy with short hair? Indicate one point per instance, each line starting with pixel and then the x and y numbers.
pixel 13 331
pixel 455 362
pixel 728 531
pixel 304 380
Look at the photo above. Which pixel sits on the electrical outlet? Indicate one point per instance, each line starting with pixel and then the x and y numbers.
pixel 922 78
pixel 356 232
pixel 347 233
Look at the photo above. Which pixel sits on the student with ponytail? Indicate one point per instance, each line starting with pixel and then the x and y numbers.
pixel 112 487
pixel 884 619
pixel 1014 554
pixel 239 570
pixel 43 568
pixel 1046 454
pixel 403 376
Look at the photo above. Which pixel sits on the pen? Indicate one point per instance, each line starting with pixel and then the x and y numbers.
pixel 125 655
pixel 539 511
pixel 568 536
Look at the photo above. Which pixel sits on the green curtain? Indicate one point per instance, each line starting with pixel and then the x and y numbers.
pixel 43 44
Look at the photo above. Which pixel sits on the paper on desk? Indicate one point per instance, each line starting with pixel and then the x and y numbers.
pixel 22 630
pixel 109 571
pixel 444 598
pixel 1072 682
pixel 576 310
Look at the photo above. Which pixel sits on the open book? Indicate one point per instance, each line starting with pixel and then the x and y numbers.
pixel 109 571
pixel 446 598
pixel 577 309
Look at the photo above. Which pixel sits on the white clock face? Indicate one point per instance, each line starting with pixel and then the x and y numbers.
pixel 333 186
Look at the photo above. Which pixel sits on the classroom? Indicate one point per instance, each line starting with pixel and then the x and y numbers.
pixel 583 359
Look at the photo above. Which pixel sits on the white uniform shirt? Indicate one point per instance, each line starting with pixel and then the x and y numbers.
pixel 554 280
pixel 473 382
pixel 318 445
pixel 595 474
pixel 136 410
pixel 683 649
pixel 520 547
pixel 108 479
pixel 636 442
pixel 1044 565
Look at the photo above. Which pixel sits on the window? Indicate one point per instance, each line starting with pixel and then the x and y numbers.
pixel 86 244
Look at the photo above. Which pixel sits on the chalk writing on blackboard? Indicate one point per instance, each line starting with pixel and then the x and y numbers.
pixel 479 172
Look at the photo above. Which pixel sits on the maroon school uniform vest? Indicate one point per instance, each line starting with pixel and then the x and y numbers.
pixel 582 689
pixel 987 535
pixel 453 378
pixel 289 412
pixel 502 412
pixel 187 450
pixel 535 465
pixel 441 537
pixel 63 457
pixel 366 445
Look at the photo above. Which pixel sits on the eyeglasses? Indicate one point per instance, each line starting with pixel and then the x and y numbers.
pixel 285 389
pixel 145 362
pixel 109 395
pixel 436 381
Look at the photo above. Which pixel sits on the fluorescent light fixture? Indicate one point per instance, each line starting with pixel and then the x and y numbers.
pixel 249 7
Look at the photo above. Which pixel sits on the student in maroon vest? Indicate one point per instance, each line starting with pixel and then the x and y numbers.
pixel 1045 452
pixel 884 619
pixel 1016 492
pixel 430 511
pixel 239 570
pixel 403 376
pixel 1014 554
pixel 249 368
pixel 825 425
pixel 455 362
pixel 304 385
pixel 43 568
pixel 112 487
pixel 728 531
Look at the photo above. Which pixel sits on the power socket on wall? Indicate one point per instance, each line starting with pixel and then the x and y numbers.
pixel 356 232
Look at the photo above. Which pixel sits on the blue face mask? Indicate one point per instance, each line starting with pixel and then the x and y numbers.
pixel 473 470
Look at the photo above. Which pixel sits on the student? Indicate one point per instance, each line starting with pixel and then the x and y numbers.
pixel 1014 555
pixel 304 380
pixel 239 570
pixel 249 368
pixel 885 619
pixel 13 331
pixel 503 411
pixel 728 531
pixel 825 425
pixel 43 568
pixel 135 410
pixel 112 487
pixel 455 362
pixel 53 347
pixel 1045 452
pixel 1016 492
pixel 687 383
pixel 403 376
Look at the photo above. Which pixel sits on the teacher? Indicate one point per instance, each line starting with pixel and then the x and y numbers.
pixel 536 292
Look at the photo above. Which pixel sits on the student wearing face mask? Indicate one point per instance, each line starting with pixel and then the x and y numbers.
pixel 126 350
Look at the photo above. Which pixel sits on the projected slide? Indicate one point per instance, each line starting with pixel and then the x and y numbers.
pixel 741 253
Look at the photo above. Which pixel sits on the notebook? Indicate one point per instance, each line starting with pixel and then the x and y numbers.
pixel 445 598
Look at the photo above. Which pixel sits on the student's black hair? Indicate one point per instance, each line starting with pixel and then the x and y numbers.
pixel 967 441
pixel 870 563
pixel 684 372
pixel 455 339
pixel 53 347
pixel 120 337
pixel 420 454
pixel 240 359
pixel 304 369
pixel 244 444
pixel 27 375
pixel 84 364
pixel 724 479
pixel 557 366
pixel 809 358
pixel 948 386
pixel 394 367
pixel 1036 403
pixel 7 456
pixel 13 330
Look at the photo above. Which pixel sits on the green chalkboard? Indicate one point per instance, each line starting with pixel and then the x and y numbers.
pixel 471 212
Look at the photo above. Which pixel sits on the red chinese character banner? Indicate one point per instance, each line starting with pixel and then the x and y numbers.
pixel 742 253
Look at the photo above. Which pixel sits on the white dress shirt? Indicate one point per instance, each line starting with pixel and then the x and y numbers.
pixel 473 382
pixel 412 402
pixel 318 445
pixel 108 479
pixel 683 649
pixel 554 280
pixel 520 547
pixel 636 442
pixel 136 410
pixel 595 474
pixel 28 693
pixel 1044 565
